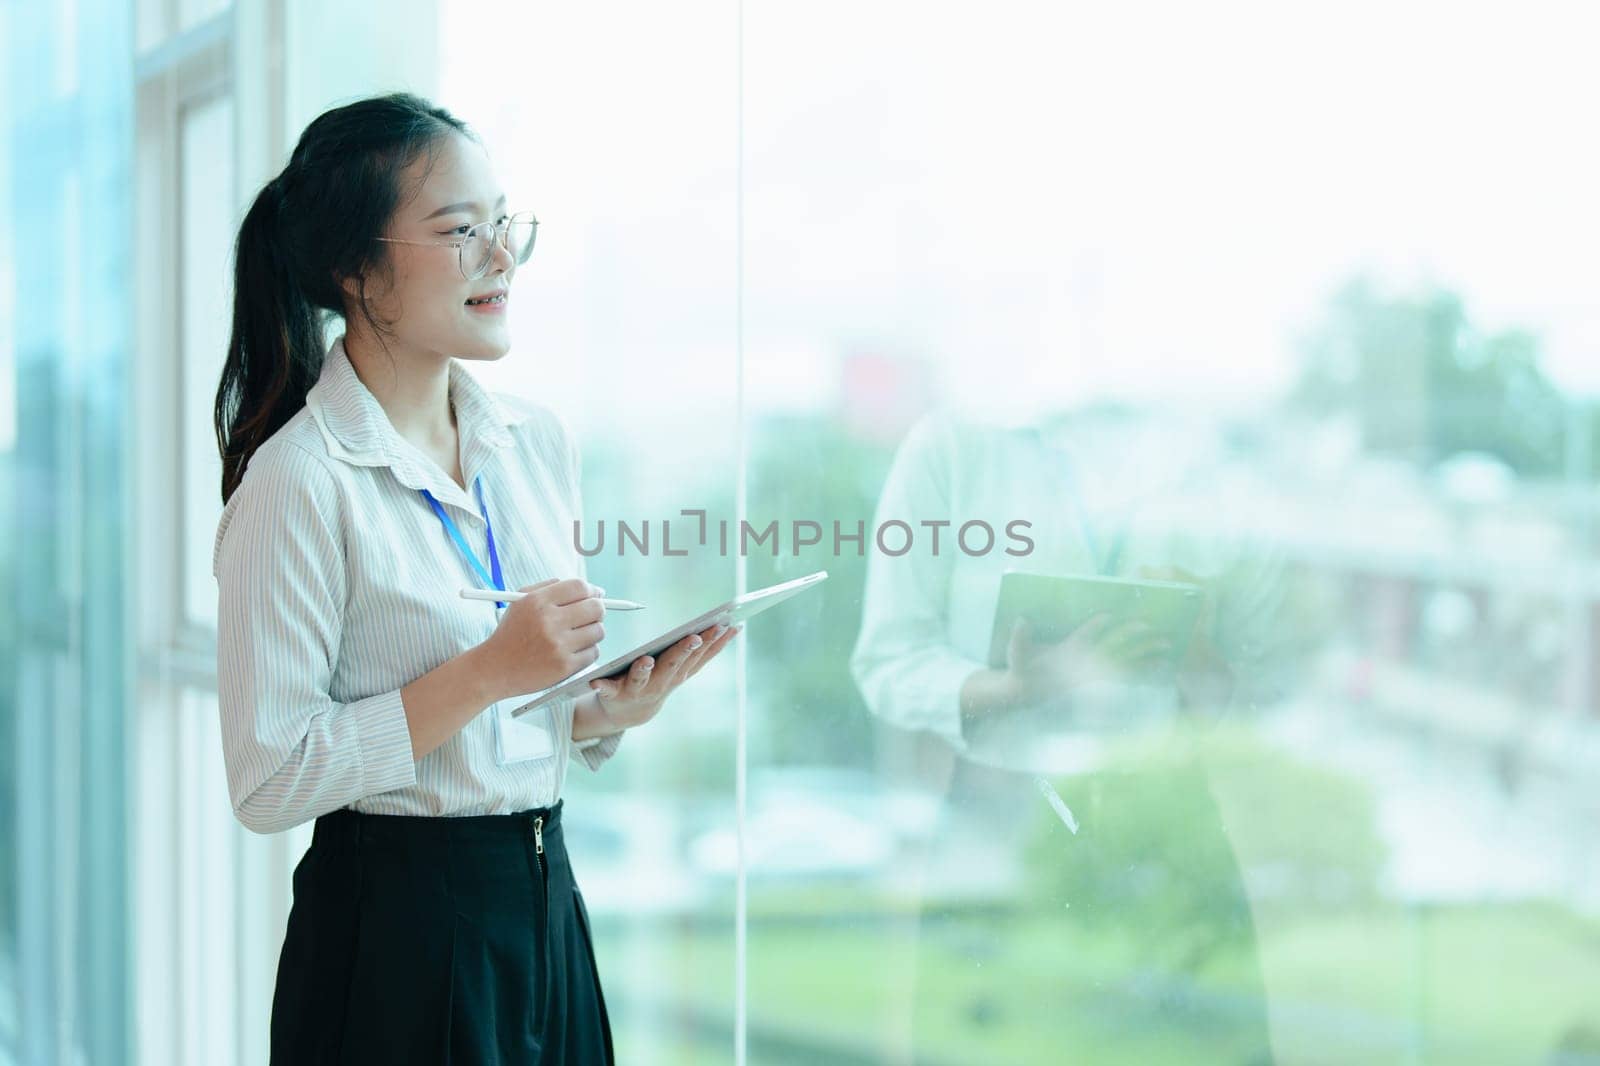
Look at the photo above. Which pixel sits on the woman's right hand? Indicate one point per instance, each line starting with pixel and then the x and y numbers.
pixel 1095 651
pixel 549 634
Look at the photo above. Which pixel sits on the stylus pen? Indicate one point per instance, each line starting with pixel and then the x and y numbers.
pixel 496 596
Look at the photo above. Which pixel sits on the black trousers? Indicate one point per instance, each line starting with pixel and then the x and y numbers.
pixel 438 941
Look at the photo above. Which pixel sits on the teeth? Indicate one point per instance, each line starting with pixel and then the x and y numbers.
pixel 496 299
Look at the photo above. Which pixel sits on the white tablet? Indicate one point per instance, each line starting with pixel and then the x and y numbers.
pixel 734 611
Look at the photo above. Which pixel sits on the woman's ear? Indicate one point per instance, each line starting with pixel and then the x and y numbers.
pixel 351 287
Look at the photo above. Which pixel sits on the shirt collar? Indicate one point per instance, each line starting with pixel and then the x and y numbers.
pixel 357 430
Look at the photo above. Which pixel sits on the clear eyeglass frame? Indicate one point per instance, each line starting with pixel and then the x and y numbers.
pixel 475 250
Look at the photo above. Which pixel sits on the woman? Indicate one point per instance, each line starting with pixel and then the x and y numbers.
pixel 435 915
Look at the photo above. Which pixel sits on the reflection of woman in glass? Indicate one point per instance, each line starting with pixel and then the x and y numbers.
pixel 436 917
pixel 1074 795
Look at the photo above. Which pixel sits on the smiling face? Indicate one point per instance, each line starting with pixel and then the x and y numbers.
pixel 423 299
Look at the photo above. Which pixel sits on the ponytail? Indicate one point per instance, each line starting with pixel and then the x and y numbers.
pixel 275 352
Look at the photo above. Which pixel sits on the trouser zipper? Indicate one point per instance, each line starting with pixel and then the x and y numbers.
pixel 538 842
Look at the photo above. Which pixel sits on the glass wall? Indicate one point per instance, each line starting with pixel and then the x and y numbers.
pixel 1193 410
pixel 1293 313
pixel 1200 304
pixel 64 659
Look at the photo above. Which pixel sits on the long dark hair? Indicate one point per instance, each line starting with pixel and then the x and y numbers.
pixel 313 224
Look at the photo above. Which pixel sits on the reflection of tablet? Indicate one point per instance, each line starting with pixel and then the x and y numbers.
pixel 734 611
pixel 1055 606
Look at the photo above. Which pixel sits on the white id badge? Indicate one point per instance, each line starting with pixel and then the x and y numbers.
pixel 523 739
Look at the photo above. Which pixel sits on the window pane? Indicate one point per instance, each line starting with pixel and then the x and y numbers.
pixel 191 12
pixel 206 225
pixel 1199 304
pixel 66 202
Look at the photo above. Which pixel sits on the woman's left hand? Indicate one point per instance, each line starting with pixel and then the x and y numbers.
pixel 635 699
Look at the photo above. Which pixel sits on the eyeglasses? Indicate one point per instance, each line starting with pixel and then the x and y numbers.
pixel 475 251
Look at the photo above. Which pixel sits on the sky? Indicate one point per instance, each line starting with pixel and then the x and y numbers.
pixel 1044 203
pixel 1137 200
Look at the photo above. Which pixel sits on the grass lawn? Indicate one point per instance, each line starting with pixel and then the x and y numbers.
pixel 1476 984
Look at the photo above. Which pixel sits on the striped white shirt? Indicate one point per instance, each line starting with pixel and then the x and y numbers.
pixel 338 585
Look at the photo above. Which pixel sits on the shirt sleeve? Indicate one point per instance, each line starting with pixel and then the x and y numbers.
pixel 903 662
pixel 596 750
pixel 292 751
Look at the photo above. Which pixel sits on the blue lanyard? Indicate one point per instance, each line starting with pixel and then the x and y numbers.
pixel 1070 484
pixel 496 581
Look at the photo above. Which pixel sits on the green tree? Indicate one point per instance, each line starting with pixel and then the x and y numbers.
pixel 1425 382
pixel 1156 858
